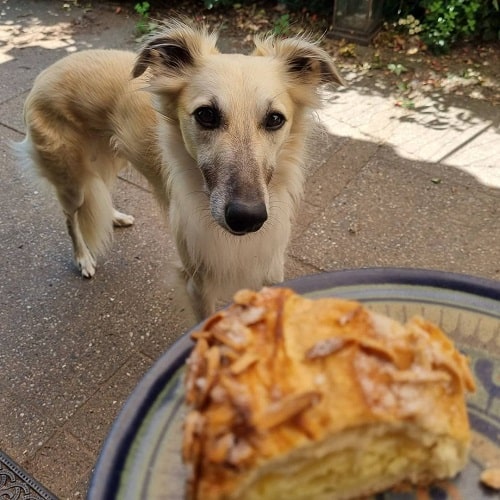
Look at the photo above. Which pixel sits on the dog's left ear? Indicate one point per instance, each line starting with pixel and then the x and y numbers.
pixel 175 50
pixel 305 62
pixel 163 53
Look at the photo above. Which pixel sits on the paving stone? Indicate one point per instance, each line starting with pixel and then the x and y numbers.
pixel 11 112
pixel 91 423
pixel 64 463
pixel 395 215
pixel 480 157
pixel 334 175
pixel 295 268
pixel 23 429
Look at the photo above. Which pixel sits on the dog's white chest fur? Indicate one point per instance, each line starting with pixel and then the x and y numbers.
pixel 225 262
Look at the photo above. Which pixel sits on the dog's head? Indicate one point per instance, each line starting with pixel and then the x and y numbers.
pixel 237 113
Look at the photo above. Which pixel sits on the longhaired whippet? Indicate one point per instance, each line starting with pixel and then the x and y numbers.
pixel 220 138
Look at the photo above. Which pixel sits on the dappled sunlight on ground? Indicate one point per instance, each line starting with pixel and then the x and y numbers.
pixel 31 27
pixel 33 33
pixel 433 130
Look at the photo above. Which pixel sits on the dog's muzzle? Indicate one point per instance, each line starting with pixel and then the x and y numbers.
pixel 242 218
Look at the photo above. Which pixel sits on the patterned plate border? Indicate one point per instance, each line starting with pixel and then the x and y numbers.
pixel 107 474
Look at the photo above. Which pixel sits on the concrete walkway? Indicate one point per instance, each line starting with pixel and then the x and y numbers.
pixel 386 187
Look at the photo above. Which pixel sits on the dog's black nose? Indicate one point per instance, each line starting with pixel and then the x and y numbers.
pixel 243 218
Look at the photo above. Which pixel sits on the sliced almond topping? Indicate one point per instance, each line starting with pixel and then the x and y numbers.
pixel 201 384
pixel 196 369
pixel 251 315
pixel 198 352
pixel 221 417
pixel 200 334
pixel 218 394
pixel 379 349
pixel 325 347
pixel 193 428
pixel 457 365
pixel 349 316
pixel 220 447
pixel 228 353
pixel 275 392
pixel 290 406
pixel 232 333
pixel 468 379
pixel 237 392
pixel 244 362
pixel 238 395
pixel 212 320
pixel 213 360
pixel 491 478
pixel 244 297
pixel 418 375
pixel 240 452
pixel 205 383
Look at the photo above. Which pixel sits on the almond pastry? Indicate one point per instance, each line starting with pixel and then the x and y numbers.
pixel 295 398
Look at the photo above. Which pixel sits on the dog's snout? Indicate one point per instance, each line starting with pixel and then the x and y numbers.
pixel 242 218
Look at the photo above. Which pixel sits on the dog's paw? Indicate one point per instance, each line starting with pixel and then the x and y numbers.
pixel 122 220
pixel 87 265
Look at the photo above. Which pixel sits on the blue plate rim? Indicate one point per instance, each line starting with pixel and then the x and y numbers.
pixel 105 479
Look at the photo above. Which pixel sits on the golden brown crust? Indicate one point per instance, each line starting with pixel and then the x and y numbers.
pixel 276 371
pixel 491 478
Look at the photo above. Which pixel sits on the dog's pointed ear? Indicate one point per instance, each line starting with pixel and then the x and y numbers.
pixel 305 62
pixel 174 50
pixel 313 65
pixel 162 52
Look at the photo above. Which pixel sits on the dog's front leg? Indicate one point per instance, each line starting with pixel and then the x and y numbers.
pixel 276 273
pixel 203 305
pixel 83 257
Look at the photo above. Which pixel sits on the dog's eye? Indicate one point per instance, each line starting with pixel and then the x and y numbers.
pixel 274 121
pixel 207 117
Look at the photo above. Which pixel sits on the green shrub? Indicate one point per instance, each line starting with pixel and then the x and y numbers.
pixel 447 21
pixel 444 22
pixel 144 25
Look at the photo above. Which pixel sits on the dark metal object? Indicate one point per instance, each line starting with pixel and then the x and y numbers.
pixel 357 20
pixel 16 483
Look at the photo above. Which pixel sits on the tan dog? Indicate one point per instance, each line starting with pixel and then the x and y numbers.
pixel 220 138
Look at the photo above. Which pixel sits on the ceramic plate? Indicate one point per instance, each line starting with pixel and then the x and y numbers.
pixel 141 458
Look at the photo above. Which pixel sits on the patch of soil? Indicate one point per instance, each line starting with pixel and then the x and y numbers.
pixel 470 70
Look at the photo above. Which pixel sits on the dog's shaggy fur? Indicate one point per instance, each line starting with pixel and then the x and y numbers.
pixel 220 138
